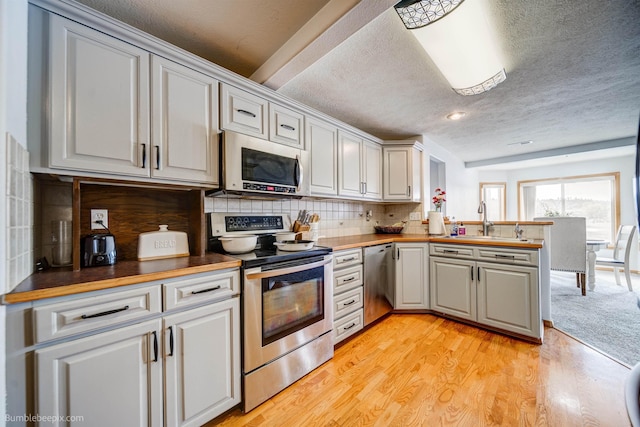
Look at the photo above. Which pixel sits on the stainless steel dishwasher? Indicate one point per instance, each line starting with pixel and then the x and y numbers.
pixel 378 282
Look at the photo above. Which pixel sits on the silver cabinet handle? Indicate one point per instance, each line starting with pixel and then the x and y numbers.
pixel 349 303
pixel 346 328
pixel 287 127
pixel 349 279
pixel 408 191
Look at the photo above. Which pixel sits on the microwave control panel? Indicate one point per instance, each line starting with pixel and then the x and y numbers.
pixel 268 188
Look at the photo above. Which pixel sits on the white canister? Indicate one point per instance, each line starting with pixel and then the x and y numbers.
pixel 436 223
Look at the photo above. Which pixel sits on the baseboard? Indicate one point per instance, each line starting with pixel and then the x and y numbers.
pixel 547 323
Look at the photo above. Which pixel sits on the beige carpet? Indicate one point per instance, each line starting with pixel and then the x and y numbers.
pixel 607 318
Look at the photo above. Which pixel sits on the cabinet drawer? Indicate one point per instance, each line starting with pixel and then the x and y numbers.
pixel 91 313
pixel 286 126
pixel 508 256
pixel 347 278
pixel 347 302
pixel 348 257
pixel 348 326
pixel 244 112
pixel 451 251
pixel 201 288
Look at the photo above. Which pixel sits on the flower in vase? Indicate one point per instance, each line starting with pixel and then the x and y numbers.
pixel 439 199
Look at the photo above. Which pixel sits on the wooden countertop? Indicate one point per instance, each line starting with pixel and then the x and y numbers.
pixel 62 282
pixel 58 282
pixel 349 242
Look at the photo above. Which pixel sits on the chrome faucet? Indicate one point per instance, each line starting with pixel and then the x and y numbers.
pixel 518 231
pixel 482 209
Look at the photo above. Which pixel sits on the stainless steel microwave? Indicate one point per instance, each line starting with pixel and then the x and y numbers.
pixel 251 165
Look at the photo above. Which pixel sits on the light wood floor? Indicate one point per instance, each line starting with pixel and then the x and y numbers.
pixel 421 370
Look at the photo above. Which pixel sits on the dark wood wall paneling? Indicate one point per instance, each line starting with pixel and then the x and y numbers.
pixel 135 210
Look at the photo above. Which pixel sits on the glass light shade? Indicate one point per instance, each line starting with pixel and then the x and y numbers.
pixel 463 48
pixel 416 14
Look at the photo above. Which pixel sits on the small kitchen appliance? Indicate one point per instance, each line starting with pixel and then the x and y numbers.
pixel 287 304
pixel 251 166
pixel 98 249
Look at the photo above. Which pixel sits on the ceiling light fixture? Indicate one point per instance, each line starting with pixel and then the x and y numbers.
pixel 456 116
pixel 462 46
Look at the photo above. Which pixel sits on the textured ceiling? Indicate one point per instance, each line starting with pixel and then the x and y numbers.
pixel 573 68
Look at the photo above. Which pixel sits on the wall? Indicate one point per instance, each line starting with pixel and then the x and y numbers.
pixel 337 217
pixel 461 183
pixel 13 96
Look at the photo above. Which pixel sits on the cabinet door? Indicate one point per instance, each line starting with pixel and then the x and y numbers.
pixel 322 144
pixel 99 101
pixel 397 173
pixel 185 123
pixel 286 126
pixel 202 369
pixel 412 286
pixel 452 287
pixel 508 298
pixel 372 170
pixel 109 379
pixel 244 112
pixel 350 183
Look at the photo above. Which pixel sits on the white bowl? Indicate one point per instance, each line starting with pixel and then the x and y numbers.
pixel 286 235
pixel 239 244
pixel 295 245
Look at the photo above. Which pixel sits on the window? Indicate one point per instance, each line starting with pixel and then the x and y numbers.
pixel 437 179
pixel 493 194
pixel 594 197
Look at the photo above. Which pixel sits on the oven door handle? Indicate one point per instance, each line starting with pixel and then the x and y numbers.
pixel 280 272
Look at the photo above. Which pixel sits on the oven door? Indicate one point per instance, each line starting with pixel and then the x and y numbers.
pixel 285 305
pixel 257 166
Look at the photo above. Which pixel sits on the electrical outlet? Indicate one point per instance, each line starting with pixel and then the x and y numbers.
pixel 414 216
pixel 99 215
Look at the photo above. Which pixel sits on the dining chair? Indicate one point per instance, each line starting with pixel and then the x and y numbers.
pixel 568 246
pixel 621 253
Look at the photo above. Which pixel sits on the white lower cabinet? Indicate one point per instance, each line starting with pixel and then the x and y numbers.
pixel 502 294
pixel 508 298
pixel 452 287
pixel 179 368
pixel 412 285
pixel 348 294
pixel 201 363
pixel 109 379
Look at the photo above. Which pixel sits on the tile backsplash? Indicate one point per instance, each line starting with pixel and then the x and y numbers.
pixel 20 207
pixel 337 217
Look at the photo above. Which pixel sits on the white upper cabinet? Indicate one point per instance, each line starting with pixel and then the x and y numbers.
pixel 402 172
pixel 185 123
pixel 244 112
pixel 359 167
pixel 372 170
pixel 322 144
pixel 99 117
pixel 286 126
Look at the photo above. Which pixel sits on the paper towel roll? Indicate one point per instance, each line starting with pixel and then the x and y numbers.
pixel 436 223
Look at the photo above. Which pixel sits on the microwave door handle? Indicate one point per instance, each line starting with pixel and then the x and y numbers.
pixel 299 173
pixel 282 271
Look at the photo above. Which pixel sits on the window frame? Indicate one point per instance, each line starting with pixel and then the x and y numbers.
pixel 574 178
pixel 503 187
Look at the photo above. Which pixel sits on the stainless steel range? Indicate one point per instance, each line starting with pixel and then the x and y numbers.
pixel 286 305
